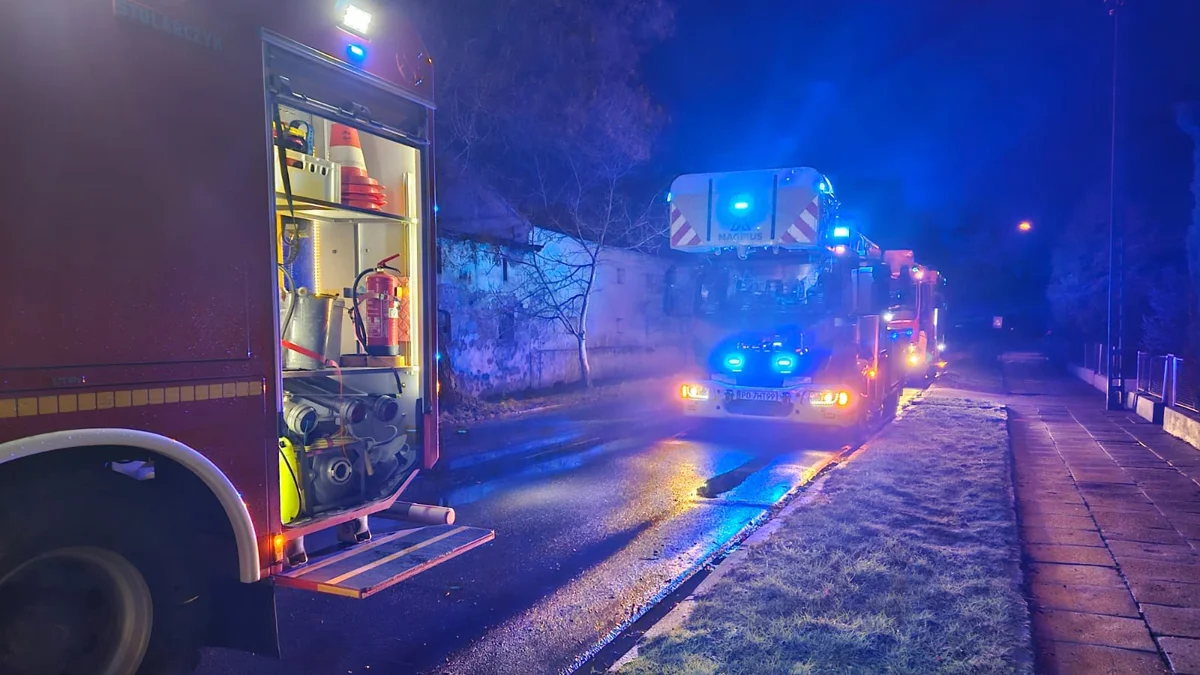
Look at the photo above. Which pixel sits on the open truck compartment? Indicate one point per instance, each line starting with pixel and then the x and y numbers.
pixel 352 419
pixel 354 285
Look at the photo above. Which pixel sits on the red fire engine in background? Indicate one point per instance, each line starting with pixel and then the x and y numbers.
pixel 916 315
pixel 219 337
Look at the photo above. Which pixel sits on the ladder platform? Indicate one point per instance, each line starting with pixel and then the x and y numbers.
pixel 365 569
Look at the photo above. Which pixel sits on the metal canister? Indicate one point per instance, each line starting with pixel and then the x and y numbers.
pixel 316 325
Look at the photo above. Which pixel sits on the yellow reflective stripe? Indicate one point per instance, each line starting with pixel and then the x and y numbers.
pixel 55 404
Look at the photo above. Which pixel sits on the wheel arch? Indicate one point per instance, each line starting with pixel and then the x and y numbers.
pixel 218 484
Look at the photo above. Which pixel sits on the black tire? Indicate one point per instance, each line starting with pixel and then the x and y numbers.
pixel 115 547
pixel 860 431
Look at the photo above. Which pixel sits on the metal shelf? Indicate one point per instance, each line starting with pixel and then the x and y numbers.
pixel 334 372
pixel 318 209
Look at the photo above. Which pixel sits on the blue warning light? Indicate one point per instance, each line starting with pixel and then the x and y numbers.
pixel 356 53
pixel 841 232
pixel 735 363
pixel 785 364
pixel 741 204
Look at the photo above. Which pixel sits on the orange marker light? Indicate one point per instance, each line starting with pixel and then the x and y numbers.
pixel 277 545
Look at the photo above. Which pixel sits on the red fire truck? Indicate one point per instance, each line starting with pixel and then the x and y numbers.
pixel 916 315
pixel 218 340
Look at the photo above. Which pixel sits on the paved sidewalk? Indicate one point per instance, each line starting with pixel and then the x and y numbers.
pixel 1109 508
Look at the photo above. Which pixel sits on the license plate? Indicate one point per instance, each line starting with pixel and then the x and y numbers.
pixel 757 395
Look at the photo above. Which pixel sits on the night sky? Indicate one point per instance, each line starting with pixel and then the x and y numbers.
pixel 938 115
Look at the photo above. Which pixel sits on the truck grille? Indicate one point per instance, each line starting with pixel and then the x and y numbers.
pixel 760 408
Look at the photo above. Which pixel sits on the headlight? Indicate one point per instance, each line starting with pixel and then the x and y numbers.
pixel 822 398
pixel 828 398
pixel 914 360
pixel 693 391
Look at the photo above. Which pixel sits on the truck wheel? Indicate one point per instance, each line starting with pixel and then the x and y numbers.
pixel 89 583
pixel 861 428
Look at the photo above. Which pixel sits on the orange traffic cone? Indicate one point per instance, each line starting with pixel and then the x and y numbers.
pixel 345 149
pixel 358 188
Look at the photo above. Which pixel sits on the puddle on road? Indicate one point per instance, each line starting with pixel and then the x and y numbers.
pixel 725 482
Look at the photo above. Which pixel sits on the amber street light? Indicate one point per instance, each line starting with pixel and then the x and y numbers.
pixel 1025 226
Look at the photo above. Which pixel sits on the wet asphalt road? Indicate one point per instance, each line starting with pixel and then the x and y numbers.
pixel 596 511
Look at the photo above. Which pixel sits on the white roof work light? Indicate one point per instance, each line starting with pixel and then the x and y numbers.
pixel 355 20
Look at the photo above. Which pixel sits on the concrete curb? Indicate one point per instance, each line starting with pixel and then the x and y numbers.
pixel 600 396
pixel 1029 654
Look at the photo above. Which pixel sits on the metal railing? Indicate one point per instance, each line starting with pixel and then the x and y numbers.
pixel 1143 371
pixel 1167 378
pixel 1162 376
pixel 1187 386
pixel 1095 359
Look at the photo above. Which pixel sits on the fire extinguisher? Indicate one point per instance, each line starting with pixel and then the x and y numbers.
pixel 378 325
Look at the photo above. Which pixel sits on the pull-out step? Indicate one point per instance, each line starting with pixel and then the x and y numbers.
pixel 367 568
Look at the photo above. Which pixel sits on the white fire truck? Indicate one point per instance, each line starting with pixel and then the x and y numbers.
pixel 787 302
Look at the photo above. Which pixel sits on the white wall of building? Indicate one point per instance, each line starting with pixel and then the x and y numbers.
pixel 496 349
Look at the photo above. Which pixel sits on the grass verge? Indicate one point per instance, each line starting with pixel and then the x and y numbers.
pixel 907 562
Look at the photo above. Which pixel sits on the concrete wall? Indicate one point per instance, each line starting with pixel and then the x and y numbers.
pixel 1092 378
pixel 1182 426
pixel 497 348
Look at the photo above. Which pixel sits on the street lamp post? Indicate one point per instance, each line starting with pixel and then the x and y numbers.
pixel 1116 242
